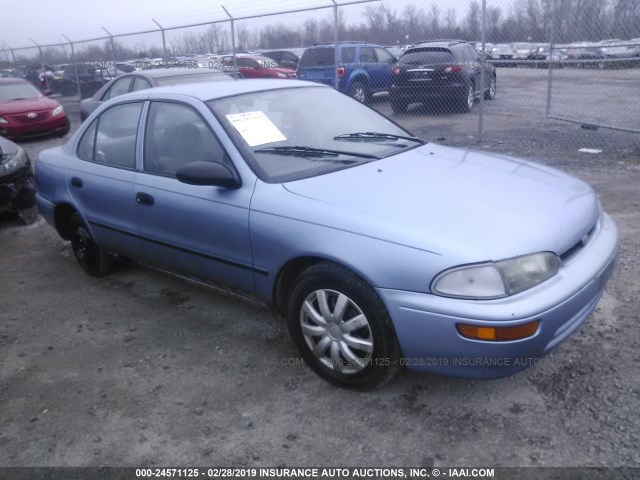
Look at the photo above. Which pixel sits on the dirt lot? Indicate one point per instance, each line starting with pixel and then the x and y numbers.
pixel 141 369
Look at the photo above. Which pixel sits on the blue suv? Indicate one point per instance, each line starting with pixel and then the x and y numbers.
pixel 363 68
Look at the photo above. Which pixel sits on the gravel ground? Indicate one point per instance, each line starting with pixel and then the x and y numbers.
pixel 141 369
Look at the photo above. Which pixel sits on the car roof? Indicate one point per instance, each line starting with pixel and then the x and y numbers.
pixel 7 80
pixel 437 43
pixel 172 72
pixel 212 90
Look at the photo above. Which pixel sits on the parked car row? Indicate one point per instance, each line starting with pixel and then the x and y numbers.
pixel 606 54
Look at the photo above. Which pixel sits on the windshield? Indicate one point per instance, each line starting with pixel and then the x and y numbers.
pixel 192 78
pixel 18 91
pixel 426 57
pixel 314 120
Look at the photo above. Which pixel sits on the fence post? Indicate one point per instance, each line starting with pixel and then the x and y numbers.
pixel 336 80
pixel 164 43
pixel 233 41
pixel 113 53
pixel 552 28
pixel 483 64
pixel 44 71
pixel 75 64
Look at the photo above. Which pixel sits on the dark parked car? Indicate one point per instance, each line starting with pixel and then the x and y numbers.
pixel 26 112
pixel 448 73
pixel 288 58
pixel 382 250
pixel 17 187
pixel 91 77
pixel 142 79
pixel 363 68
pixel 502 55
pixel 585 58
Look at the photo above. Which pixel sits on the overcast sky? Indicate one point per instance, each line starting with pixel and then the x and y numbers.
pixel 45 20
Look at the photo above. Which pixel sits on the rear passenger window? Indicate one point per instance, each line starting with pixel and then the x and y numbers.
pixel 348 54
pixel 88 142
pixel 368 55
pixel 115 140
pixel 120 87
pixel 140 84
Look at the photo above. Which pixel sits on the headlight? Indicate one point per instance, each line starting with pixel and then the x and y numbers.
pixel 2 120
pixel 282 75
pixel 18 161
pixel 57 111
pixel 497 279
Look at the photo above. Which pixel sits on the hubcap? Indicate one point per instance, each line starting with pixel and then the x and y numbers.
pixel 83 247
pixel 492 88
pixel 358 93
pixel 336 331
pixel 470 98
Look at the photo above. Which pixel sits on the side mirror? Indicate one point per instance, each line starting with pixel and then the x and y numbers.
pixel 207 173
pixel 47 92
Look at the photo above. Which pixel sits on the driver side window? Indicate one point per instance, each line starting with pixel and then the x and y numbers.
pixel 176 135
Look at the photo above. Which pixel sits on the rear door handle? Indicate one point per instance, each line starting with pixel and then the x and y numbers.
pixel 144 199
pixel 76 182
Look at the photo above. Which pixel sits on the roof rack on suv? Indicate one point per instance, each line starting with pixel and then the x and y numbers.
pixel 339 43
pixel 448 41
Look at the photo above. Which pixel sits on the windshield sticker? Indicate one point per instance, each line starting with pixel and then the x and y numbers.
pixel 255 128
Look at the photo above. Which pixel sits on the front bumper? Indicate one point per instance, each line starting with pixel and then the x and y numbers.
pixel 57 125
pixel 18 190
pixel 426 324
pixel 423 91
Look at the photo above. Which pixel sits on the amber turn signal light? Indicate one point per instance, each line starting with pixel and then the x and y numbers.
pixel 498 334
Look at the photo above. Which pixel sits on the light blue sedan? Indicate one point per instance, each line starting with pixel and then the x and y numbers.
pixel 383 251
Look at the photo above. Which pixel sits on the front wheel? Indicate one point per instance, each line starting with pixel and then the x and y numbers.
pixel 467 101
pixel 342 328
pixel 490 93
pixel 92 259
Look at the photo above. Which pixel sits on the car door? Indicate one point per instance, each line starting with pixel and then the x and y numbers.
pixel 468 60
pixel 201 231
pixel 100 177
pixel 383 68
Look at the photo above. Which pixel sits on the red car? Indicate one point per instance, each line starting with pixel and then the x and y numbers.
pixel 257 66
pixel 25 112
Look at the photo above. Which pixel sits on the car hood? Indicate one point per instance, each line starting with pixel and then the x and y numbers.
pixel 7 148
pixel 9 107
pixel 442 199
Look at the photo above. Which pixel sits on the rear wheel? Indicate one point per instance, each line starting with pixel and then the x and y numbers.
pixel 360 91
pixel 342 328
pixel 92 259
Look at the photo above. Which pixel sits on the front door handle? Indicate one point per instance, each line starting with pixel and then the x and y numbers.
pixel 144 199
pixel 76 182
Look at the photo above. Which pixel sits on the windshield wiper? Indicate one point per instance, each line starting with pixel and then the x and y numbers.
pixel 297 151
pixel 364 136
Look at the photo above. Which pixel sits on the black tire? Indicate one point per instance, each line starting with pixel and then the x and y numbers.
pixel 490 93
pixel 63 132
pixel 468 99
pixel 92 259
pixel 398 106
pixel 360 91
pixel 358 348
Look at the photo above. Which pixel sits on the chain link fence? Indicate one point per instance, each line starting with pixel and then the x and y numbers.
pixel 465 72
